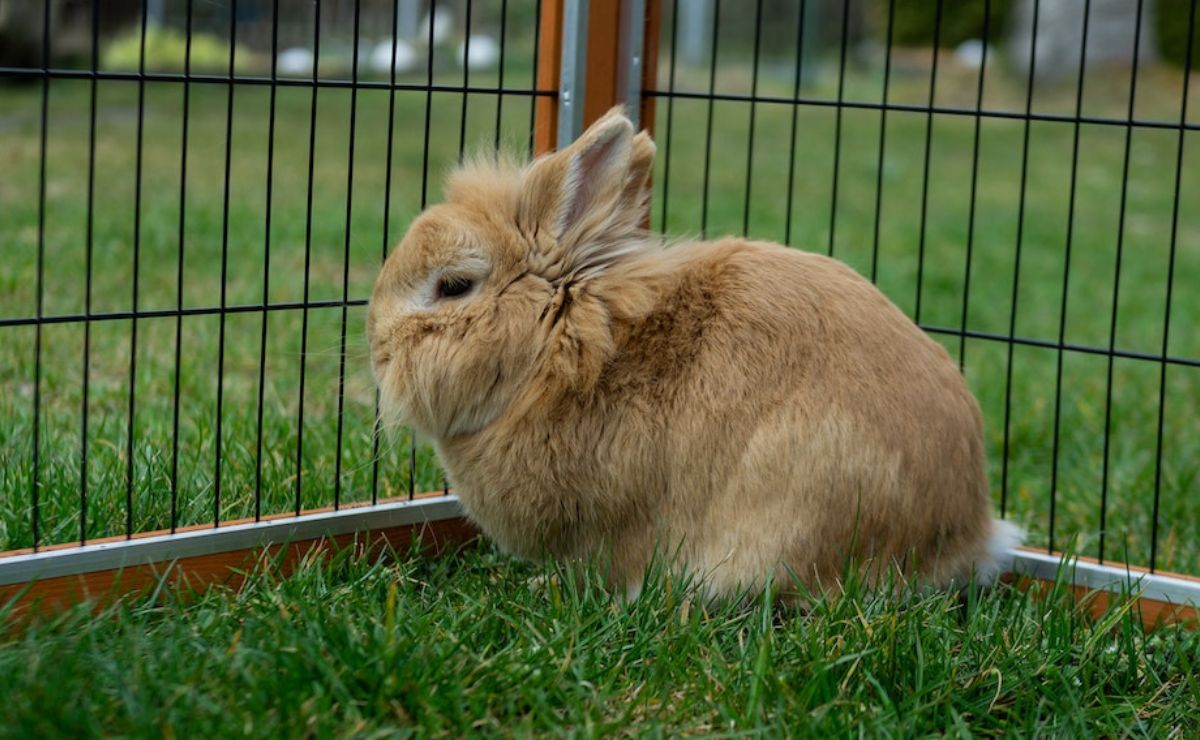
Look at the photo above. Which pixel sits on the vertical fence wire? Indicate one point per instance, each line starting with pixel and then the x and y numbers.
pixel 966 299
pixel 1166 335
pixel 136 270
pixel 266 264
pixel 36 461
pixel 758 8
pixel 218 442
pixel 90 247
pixel 428 109
pixel 462 125
pixel 887 77
pixel 798 81
pixel 308 222
pixel 708 135
pixel 466 82
pixel 1116 291
pixel 923 229
pixel 500 81
pixel 1066 282
pixel 341 399
pixel 1016 282
pixel 666 176
pixel 412 443
pixel 837 126
pixel 386 230
pixel 533 77
pixel 179 257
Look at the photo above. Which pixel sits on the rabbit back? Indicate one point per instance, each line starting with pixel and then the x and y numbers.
pixel 765 410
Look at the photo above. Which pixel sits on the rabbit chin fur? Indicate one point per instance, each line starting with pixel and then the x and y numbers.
pixel 750 408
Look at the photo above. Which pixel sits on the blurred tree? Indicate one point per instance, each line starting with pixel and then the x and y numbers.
pixel 20 33
pixel 961 21
pixel 1170 21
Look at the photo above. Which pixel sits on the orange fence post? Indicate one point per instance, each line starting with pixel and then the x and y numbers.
pixel 619 40
pixel 549 68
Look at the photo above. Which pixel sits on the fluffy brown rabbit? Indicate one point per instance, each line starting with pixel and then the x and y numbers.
pixel 747 408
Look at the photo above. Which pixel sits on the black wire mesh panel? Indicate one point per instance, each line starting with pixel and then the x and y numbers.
pixel 197 197
pixel 1037 213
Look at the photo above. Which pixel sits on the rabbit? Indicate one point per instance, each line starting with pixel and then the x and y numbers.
pixel 759 413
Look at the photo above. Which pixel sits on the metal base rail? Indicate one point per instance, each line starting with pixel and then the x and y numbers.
pixel 1168 589
pixel 1168 597
pixel 165 548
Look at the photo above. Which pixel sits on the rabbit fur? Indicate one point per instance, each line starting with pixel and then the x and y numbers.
pixel 749 408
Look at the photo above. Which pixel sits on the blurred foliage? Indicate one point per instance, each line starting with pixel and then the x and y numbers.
pixel 20 33
pixel 1170 24
pixel 167 50
pixel 915 20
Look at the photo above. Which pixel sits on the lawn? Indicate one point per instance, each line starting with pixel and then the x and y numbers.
pixel 466 643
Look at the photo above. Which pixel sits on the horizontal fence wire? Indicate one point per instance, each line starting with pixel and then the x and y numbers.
pixel 155 313
pixel 172 414
pixel 336 304
pixel 225 80
pixel 1072 489
pixel 913 108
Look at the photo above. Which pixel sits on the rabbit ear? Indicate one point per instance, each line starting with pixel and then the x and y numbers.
pixel 634 207
pixel 583 195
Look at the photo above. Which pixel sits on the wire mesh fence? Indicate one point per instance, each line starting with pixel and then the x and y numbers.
pixel 1035 212
pixel 199 195
pixel 194 212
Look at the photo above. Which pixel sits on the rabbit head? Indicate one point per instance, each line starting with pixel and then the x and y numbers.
pixel 457 321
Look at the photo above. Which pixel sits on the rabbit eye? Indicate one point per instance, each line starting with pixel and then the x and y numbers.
pixel 453 287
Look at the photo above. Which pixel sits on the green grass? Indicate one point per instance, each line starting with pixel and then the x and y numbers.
pixel 1023 481
pixel 466 643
